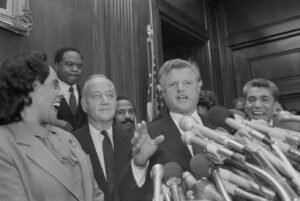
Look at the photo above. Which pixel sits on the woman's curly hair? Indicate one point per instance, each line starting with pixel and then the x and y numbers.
pixel 17 75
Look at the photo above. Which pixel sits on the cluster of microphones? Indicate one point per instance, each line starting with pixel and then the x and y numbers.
pixel 243 160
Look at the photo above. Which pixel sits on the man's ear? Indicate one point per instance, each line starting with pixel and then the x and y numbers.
pixel 83 105
pixel 200 85
pixel 160 89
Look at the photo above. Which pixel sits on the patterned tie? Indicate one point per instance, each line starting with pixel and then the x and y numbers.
pixel 72 101
pixel 108 154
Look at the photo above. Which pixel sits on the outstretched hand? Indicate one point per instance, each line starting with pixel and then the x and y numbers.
pixel 143 147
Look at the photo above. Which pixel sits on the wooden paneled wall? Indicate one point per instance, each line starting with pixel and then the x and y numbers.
pixel 188 18
pixel 260 38
pixel 111 35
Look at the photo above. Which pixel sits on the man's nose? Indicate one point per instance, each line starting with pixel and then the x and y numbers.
pixel 127 115
pixel 104 98
pixel 75 67
pixel 257 103
pixel 179 86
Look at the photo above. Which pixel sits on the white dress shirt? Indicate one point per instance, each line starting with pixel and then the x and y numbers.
pixel 98 142
pixel 65 90
pixel 176 117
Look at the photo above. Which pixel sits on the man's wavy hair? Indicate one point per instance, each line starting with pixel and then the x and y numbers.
pixel 177 64
pixel 17 75
pixel 261 83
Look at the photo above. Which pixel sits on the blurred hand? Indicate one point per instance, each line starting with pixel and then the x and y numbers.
pixel 63 124
pixel 143 147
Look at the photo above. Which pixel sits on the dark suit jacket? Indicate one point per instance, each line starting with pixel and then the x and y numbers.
pixel 76 120
pixel 172 149
pixel 122 156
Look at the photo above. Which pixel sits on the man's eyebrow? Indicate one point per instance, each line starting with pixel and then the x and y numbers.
pixel 265 96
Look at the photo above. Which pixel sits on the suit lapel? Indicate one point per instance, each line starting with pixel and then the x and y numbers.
pixel 88 146
pixel 174 143
pixel 39 153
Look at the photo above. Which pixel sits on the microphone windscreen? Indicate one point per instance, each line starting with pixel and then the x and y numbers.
pixel 200 166
pixel 172 169
pixel 217 116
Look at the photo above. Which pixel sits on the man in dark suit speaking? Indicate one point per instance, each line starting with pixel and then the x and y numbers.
pixel 180 85
pixel 107 145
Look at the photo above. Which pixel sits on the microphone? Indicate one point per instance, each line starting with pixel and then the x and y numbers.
pixel 191 182
pixel 287 135
pixel 291 151
pixel 173 173
pixel 217 150
pixel 286 116
pixel 236 191
pixel 157 174
pixel 290 136
pixel 220 116
pixel 166 193
pixel 189 179
pixel 187 123
pixel 246 184
pixel 208 189
pixel 238 114
pixel 200 166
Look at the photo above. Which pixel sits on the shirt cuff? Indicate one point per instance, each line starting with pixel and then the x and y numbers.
pixel 139 173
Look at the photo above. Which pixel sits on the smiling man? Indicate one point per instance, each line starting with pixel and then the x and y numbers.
pixel 261 101
pixel 106 144
pixel 261 96
pixel 125 114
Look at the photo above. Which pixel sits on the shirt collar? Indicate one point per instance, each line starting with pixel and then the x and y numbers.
pixel 64 87
pixel 94 131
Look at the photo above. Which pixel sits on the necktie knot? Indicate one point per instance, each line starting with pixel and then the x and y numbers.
pixel 104 133
pixel 71 90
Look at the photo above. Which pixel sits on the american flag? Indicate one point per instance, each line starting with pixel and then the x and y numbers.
pixel 152 95
pixel 153 98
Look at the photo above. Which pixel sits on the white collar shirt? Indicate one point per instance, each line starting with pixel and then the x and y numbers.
pixel 98 143
pixel 176 117
pixel 65 91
